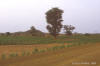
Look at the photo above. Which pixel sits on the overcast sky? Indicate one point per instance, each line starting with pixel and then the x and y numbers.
pixel 20 15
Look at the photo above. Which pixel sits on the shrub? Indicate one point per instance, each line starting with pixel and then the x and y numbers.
pixel 3 56
pixel 87 34
pixel 23 53
pixel 42 50
pixel 35 50
pixel 69 45
pixel 48 49
pixel 55 48
pixel 63 46
pixel 13 55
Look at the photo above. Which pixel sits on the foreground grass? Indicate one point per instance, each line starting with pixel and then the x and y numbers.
pixel 76 40
pixel 37 50
pixel 88 53
pixel 34 51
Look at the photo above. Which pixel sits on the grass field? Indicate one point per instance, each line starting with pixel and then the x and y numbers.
pixel 30 40
pixel 77 50
pixel 84 55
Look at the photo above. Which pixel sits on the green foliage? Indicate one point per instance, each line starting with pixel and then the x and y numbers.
pixel 42 50
pixel 23 53
pixel 13 55
pixel 87 34
pixel 68 29
pixel 74 40
pixel 54 19
pixel 69 45
pixel 48 49
pixel 28 40
pixel 7 33
pixel 34 32
pixel 36 50
pixel 63 46
pixel 55 47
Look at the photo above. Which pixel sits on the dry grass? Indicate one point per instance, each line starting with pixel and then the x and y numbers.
pixel 7 49
pixel 65 57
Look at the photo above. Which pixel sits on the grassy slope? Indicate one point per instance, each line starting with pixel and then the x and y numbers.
pixel 64 57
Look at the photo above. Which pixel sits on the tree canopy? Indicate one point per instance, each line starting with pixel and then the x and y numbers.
pixel 54 19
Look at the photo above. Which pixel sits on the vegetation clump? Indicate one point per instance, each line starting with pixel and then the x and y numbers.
pixel 68 29
pixel 3 56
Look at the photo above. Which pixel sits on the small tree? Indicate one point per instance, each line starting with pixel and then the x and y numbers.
pixel 33 28
pixel 68 29
pixel 87 34
pixel 8 33
pixel 54 19
pixel 32 31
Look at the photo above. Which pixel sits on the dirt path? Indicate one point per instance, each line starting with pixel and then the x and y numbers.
pixel 86 55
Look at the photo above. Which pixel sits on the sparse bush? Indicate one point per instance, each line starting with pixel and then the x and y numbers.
pixel 42 50
pixel 55 47
pixel 35 50
pixel 87 34
pixel 23 53
pixel 69 45
pixel 3 56
pixel 13 55
pixel 48 49
pixel 8 33
pixel 68 29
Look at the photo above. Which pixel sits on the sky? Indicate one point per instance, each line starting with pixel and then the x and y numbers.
pixel 20 15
